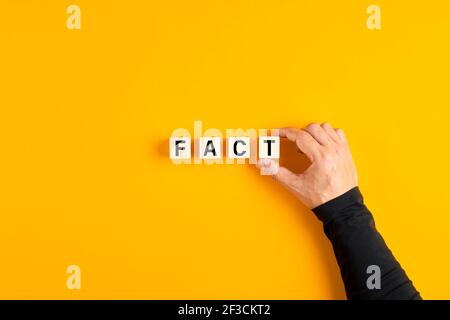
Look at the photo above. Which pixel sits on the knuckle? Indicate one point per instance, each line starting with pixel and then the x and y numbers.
pixel 302 134
pixel 313 126
pixel 322 155
pixel 328 156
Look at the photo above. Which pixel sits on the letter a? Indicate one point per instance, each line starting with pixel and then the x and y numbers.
pixel 374 281
pixel 73 22
pixel 74 279
pixel 374 19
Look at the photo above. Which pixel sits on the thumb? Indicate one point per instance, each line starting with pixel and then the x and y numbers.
pixel 285 177
pixel 281 174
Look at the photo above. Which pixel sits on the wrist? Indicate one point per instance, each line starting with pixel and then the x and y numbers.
pixel 329 210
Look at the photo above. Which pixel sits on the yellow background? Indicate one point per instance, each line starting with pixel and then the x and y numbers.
pixel 85 116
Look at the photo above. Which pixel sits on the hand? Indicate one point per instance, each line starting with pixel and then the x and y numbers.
pixel 332 171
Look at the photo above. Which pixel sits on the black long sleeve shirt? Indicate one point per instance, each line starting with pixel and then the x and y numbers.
pixel 357 245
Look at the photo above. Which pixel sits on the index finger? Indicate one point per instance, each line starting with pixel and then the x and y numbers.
pixel 304 141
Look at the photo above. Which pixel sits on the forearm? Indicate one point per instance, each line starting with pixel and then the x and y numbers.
pixel 357 245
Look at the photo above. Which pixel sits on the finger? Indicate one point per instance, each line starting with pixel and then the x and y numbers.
pixel 319 134
pixel 305 142
pixel 330 131
pixel 341 135
pixel 298 150
pixel 289 133
pixel 283 175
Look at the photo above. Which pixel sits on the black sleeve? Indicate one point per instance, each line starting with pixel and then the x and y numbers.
pixel 357 245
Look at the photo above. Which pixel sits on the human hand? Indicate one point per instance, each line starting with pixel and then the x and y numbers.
pixel 332 171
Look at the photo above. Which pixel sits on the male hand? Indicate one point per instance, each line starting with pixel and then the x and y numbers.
pixel 332 171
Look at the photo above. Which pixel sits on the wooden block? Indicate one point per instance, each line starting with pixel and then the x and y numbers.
pixel 238 148
pixel 210 148
pixel 180 148
pixel 269 147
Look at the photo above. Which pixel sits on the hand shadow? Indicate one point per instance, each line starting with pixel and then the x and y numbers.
pixel 297 162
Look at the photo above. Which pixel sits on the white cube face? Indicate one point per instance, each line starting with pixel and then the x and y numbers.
pixel 180 148
pixel 210 147
pixel 238 148
pixel 269 147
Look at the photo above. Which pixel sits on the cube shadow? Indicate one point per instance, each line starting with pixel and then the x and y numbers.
pixel 292 158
